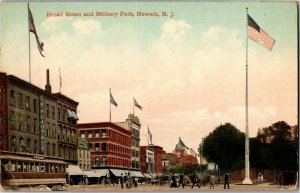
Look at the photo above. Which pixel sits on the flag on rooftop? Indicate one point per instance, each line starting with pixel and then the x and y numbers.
pixel 259 35
pixel 32 29
pixel 137 104
pixel 112 100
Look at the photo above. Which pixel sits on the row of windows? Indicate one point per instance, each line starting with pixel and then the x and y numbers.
pixel 89 134
pixel 33 147
pixel 84 154
pixel 112 161
pixel 21 166
pixel 33 106
pixel 31 125
pixel 110 147
pixel 84 166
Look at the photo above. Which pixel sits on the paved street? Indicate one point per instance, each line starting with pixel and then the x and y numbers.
pixel 234 187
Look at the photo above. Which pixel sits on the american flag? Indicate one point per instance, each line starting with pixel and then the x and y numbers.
pixel 259 35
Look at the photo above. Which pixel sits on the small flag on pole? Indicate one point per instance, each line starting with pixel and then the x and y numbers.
pixel 259 35
pixel 150 135
pixel 137 105
pixel 112 100
pixel 32 29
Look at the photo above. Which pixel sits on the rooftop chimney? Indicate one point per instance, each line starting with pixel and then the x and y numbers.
pixel 48 86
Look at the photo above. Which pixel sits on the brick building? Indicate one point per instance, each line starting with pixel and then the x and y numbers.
pixel 146 159
pixel 186 158
pixel 31 124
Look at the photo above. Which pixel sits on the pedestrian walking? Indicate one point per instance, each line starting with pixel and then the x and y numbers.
pixel 212 181
pixel 181 181
pixel 226 180
pixel 121 181
pixel 173 182
pixel 195 180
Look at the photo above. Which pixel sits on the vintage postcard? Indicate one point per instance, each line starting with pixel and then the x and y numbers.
pixel 149 96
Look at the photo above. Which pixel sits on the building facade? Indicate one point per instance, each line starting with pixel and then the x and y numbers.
pixel 110 144
pixel 84 154
pixel 133 124
pixel 151 159
pixel 29 121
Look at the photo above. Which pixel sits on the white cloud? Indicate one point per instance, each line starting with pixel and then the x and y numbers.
pixel 175 31
pixel 86 26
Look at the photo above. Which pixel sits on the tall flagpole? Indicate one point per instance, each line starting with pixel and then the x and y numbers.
pixel 247 164
pixel 29 44
pixel 109 105
pixel 133 107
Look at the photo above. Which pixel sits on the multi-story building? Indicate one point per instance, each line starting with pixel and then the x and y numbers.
pixel 84 154
pixel 29 122
pixel 151 159
pixel 133 124
pixel 110 147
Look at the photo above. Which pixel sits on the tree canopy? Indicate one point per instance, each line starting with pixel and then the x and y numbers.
pixel 225 146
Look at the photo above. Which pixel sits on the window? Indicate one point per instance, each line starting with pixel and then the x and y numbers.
pixel 12 120
pixel 104 160
pixel 59 132
pixel 27 103
pixel 12 97
pixel 22 144
pixel 48 149
pixel 48 129
pixel 58 113
pixel 35 147
pixel 103 146
pixel 53 150
pixel 0 121
pixel 34 105
pixel 104 134
pixel 53 112
pixel 29 147
pixel 63 114
pixel 47 111
pixel 20 100
pixel 97 146
pixel 97 161
pixel 90 134
pixel 13 144
pixel 21 126
pixel 97 133
pixel 35 129
pixel 82 134
pixel 53 130
pixel 28 124
pixel 68 134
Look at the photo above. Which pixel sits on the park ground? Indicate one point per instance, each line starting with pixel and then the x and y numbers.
pixel 163 188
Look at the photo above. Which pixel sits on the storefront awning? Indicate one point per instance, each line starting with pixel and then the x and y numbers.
pixel 153 175
pixel 91 174
pixel 74 170
pixel 101 172
pixel 118 173
pixel 137 174
pixel 147 176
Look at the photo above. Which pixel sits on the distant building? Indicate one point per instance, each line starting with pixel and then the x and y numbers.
pixel 133 124
pixel 151 159
pixel 170 160
pixel 84 154
pixel 181 150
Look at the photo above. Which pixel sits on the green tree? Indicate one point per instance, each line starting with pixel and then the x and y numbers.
pixel 275 147
pixel 225 147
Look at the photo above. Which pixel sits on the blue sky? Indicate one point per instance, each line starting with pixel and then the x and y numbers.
pixel 188 72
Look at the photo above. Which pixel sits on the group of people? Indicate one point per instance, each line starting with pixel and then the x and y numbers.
pixel 129 182
pixel 196 181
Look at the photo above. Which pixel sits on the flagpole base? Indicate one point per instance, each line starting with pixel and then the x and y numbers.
pixel 247 181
